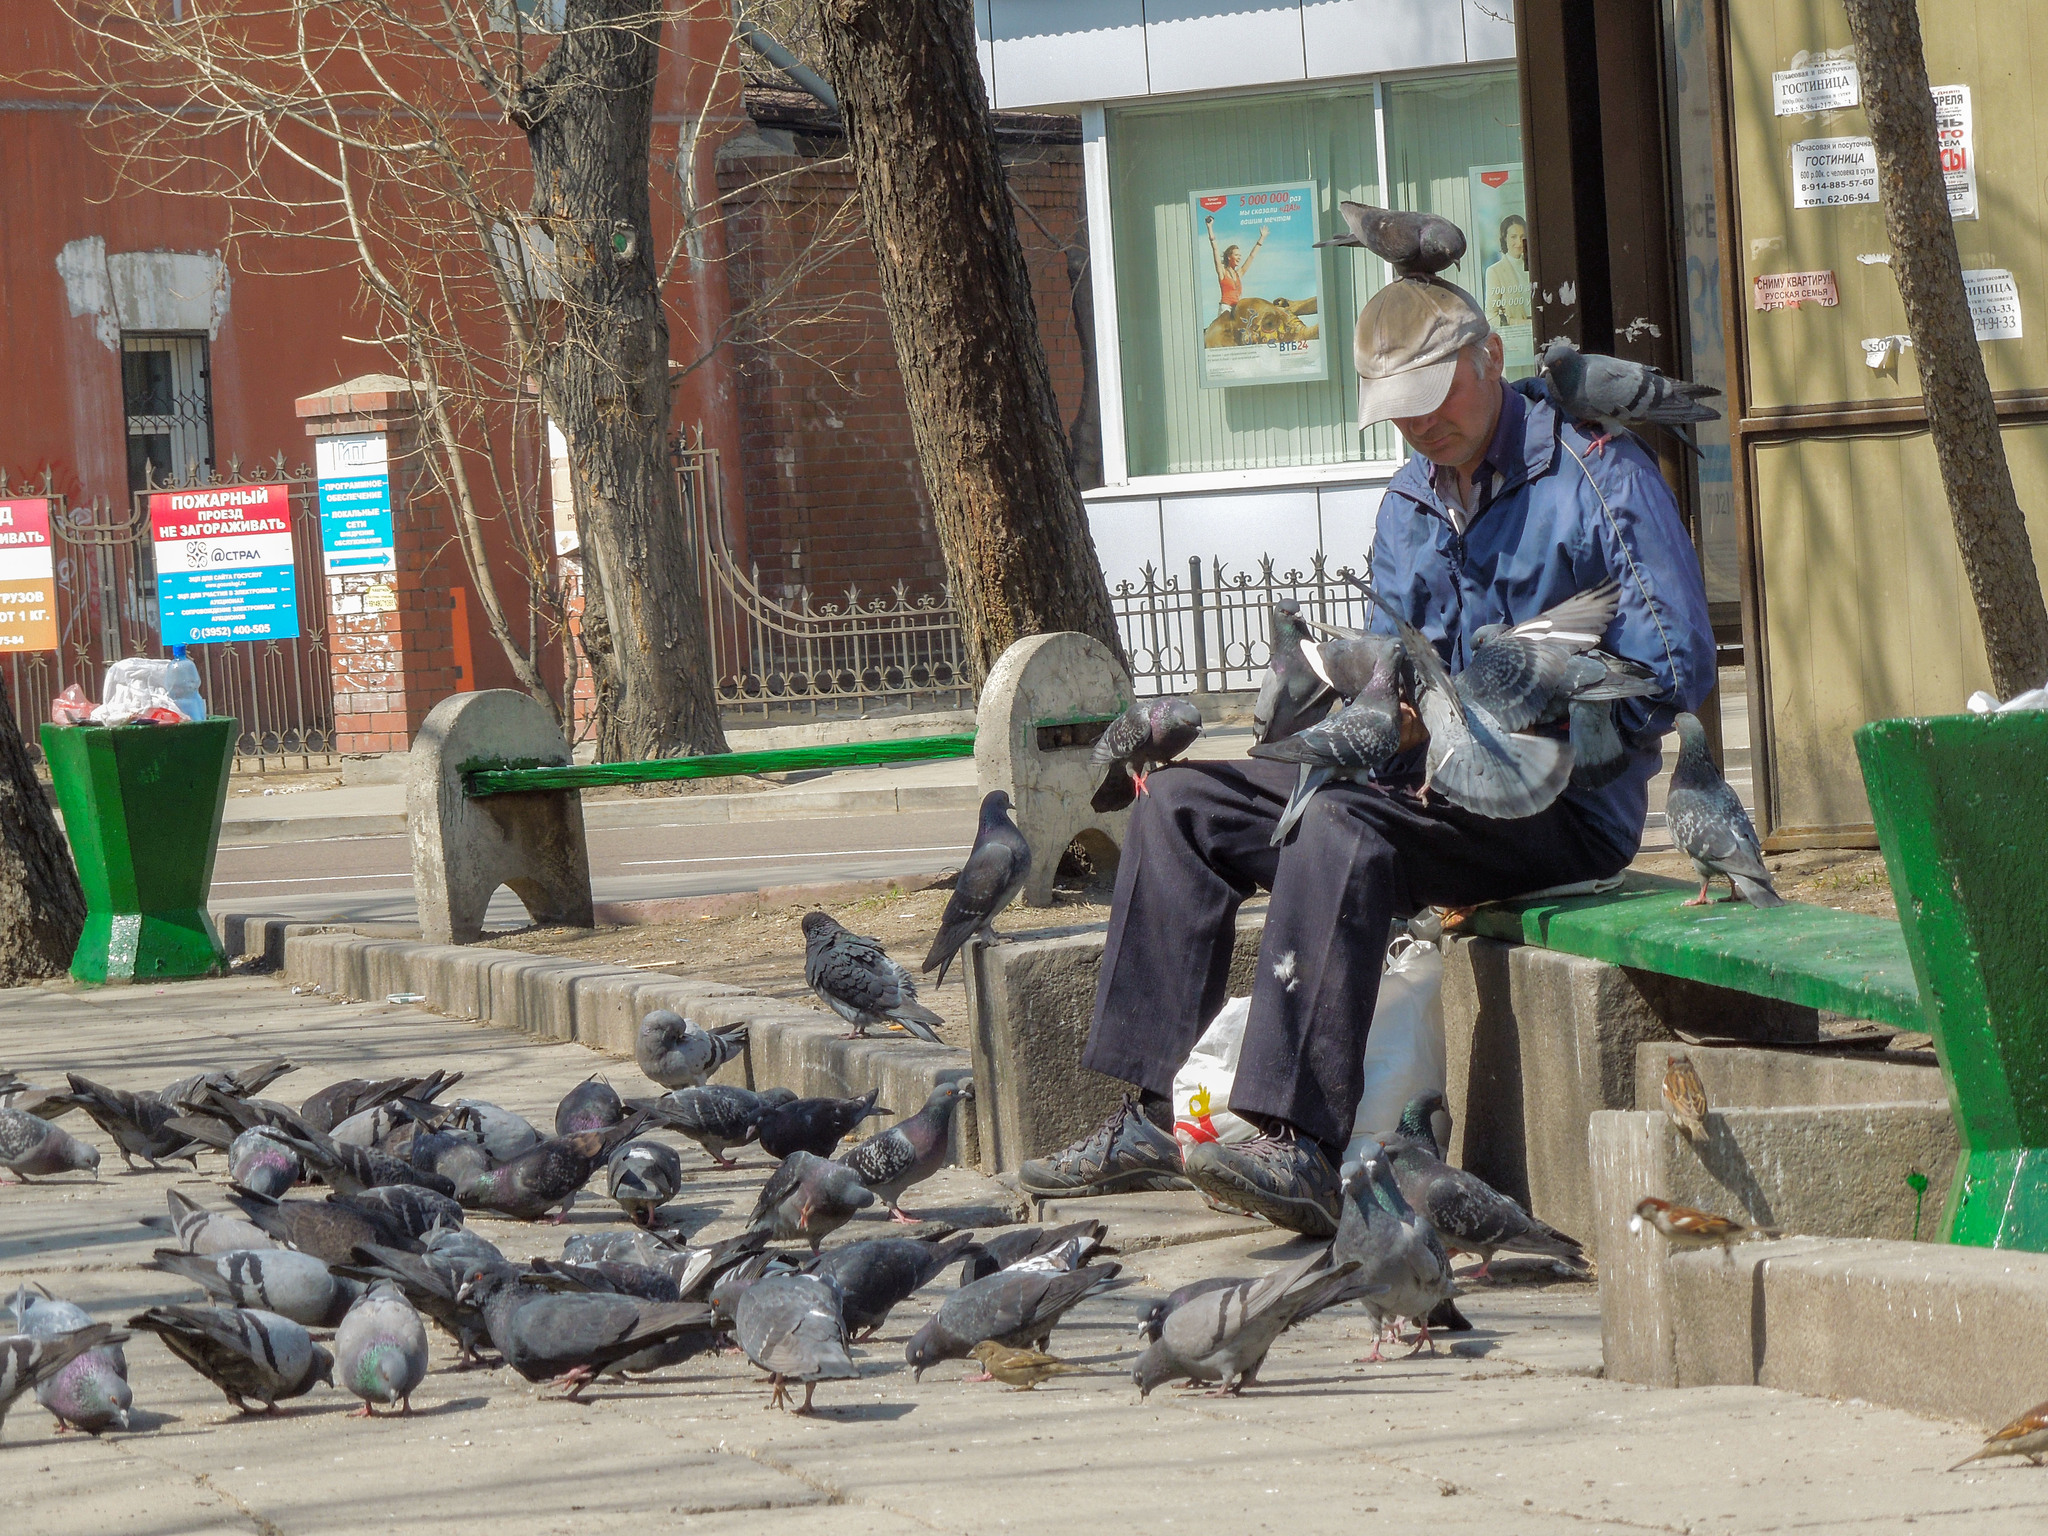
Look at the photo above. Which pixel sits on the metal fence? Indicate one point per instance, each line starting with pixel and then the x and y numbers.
pixel 281 691
pixel 1213 633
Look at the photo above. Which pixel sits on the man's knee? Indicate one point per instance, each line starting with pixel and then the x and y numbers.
pixel 1338 818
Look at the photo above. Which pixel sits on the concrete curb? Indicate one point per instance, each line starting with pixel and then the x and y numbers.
pixel 599 1006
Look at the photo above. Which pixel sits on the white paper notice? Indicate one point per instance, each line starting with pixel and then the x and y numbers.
pixel 1958 149
pixel 1819 87
pixel 1830 173
pixel 1994 304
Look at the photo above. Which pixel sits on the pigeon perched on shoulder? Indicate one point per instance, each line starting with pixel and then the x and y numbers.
pixel 591 1105
pixel 296 1285
pixel 890 1161
pixel 1223 1336
pixel 816 1126
pixel 857 981
pixel 1414 244
pixel 1019 1308
pixel 793 1327
pixel 1148 735
pixel 261 1162
pixel 380 1350
pixel 246 1352
pixel 1468 1214
pixel 877 1273
pixel 569 1338
pixel 1619 394
pixel 989 881
pixel 1017 1245
pixel 643 1176
pixel 91 1392
pixel 27 1362
pixel 32 1146
pixel 1292 694
pixel 717 1116
pixel 808 1197
pixel 677 1054
pixel 135 1121
pixel 1403 1270
pixel 1359 739
pixel 1710 826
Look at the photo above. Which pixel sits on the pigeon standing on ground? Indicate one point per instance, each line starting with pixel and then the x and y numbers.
pixel 1619 394
pixel 187 1092
pixel 876 1274
pixel 1292 694
pixel 1710 826
pixel 1468 1214
pixel 1154 1317
pixel 989 881
pixel 808 1197
pixel 591 1105
pixel 328 1230
pixel 643 1176
pixel 549 1176
pixel 26 1361
pixel 433 1282
pixel 677 1054
pixel 1019 1308
pixel 1358 739
pixel 261 1162
pixel 571 1337
pixel 405 1208
pixel 1414 244
pixel 816 1126
pixel 1016 1245
pixel 1403 1270
pixel 281 1280
pixel 199 1230
pixel 505 1135
pixel 135 1121
pixel 245 1352
pixel 91 1393
pixel 793 1327
pixel 890 1161
pixel 716 1116
pixel 1223 1336
pixel 31 1146
pixel 857 981
pixel 1685 1096
pixel 1148 735
pixel 380 1350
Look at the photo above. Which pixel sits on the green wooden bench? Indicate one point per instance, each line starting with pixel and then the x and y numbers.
pixel 480 780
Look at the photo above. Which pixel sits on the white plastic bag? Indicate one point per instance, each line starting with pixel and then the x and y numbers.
pixel 1404 1053
pixel 137 684
pixel 1201 1088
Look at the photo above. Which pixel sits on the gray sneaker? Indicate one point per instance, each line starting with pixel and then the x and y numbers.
pixel 1284 1178
pixel 1126 1152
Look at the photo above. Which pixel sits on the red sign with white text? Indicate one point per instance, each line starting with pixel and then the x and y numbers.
pixel 28 586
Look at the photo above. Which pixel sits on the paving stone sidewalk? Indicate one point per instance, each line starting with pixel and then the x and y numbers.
pixel 1512 1431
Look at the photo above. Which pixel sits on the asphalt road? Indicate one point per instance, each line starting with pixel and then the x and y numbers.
pixel 368 879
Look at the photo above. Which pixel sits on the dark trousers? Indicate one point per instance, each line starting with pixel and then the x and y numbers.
pixel 1198 846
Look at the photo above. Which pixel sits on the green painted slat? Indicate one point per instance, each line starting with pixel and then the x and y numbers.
pixel 1846 962
pixel 855 754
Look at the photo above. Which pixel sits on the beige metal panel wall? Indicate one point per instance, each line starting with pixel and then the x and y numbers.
pixel 1867 612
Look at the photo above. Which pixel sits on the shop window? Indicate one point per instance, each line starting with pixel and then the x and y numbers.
pixel 1236 336
pixel 167 398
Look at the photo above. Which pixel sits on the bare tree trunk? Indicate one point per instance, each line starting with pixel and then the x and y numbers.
pixel 1990 531
pixel 588 115
pixel 1085 435
pixel 41 907
pixel 1018 553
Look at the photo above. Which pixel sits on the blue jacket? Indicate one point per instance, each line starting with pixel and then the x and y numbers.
pixel 1557 523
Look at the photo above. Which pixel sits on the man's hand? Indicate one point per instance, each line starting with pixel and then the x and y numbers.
pixel 1413 733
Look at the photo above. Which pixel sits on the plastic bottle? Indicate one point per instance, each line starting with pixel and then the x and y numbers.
pixel 181 682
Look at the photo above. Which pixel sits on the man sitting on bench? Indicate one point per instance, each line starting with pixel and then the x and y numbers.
pixel 1501 512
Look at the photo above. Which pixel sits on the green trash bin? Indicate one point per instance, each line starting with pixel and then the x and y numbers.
pixel 142 807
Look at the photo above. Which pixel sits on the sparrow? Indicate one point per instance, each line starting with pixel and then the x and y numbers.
pixel 1685 1096
pixel 1684 1227
pixel 1022 1369
pixel 2025 1436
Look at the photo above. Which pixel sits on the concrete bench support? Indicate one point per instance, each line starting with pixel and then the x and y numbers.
pixel 464 849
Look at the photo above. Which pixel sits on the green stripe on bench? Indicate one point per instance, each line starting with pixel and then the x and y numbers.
pixel 1846 962
pixel 854 754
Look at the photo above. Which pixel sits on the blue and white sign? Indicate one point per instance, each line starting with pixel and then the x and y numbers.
pixel 355 505
pixel 224 568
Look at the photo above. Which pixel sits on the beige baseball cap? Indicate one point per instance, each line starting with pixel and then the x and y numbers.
pixel 1407 343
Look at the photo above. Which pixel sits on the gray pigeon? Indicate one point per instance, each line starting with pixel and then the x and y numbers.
pixel 569 1338
pixel 1223 1335
pixel 1619 394
pixel 1708 823
pixel 245 1352
pixel 877 1273
pixel 1468 1214
pixel 405 1208
pixel 717 1116
pixel 1599 755
pixel 1152 1321
pixel 135 1121
pixel 187 1092
pixel 351 1099
pixel 793 1327
pixel 91 1393
pixel 281 1280
pixel 32 1146
pixel 989 881
pixel 808 1197
pixel 548 1177
pixel 329 1230
pixel 1359 739
pixel 26 1361
pixel 677 1054
pixel 816 1126
pixel 505 1134
pixel 644 1176
pixel 351 1170
pixel 1292 696
pixel 635 1247
pixel 890 1161
pixel 380 1350
pixel 1018 1245
pixel 199 1230
pixel 1403 1270
pixel 1414 244
pixel 1525 674
pixel 591 1105
pixel 1019 1308
pixel 1148 735
pixel 857 981
pixel 261 1162
pixel 433 1282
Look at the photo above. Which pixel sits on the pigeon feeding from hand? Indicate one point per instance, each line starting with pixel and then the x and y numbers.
pixel 1710 826
pixel 808 1197
pixel 135 1121
pixel 857 981
pixel 1684 1227
pixel 1619 394
pixel 32 1146
pixel 643 1176
pixel 1292 694
pixel 816 1126
pixel 1403 1270
pixel 1148 735
pixel 1413 244
pixel 91 1392
pixel 989 881
pixel 1468 1214
pixel 877 1273
pixel 591 1105
pixel 1359 739
pixel 1019 1308
pixel 1685 1096
pixel 1223 1335
pixel 717 1116
pixel 245 1352
pixel 677 1054
pixel 793 1327
pixel 890 1161
pixel 27 1362
pixel 281 1280
pixel 380 1350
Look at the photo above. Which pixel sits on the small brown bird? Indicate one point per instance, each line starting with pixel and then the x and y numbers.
pixel 1684 1227
pixel 2025 1436
pixel 1686 1097
pixel 1019 1368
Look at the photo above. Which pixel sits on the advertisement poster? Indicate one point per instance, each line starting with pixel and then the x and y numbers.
pixel 355 504
pixel 224 564
pixel 1958 152
pixel 1833 173
pixel 1258 285
pixel 1500 231
pixel 28 583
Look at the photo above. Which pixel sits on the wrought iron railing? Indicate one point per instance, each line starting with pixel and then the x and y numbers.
pixel 1213 633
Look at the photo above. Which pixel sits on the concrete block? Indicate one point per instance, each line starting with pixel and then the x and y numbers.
pixel 597 1012
pixel 1736 1076
pixel 1537 1041
pixel 464 849
pixel 548 992
pixel 309 958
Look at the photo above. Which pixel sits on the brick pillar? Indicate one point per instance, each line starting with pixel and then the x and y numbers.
pixel 393 630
